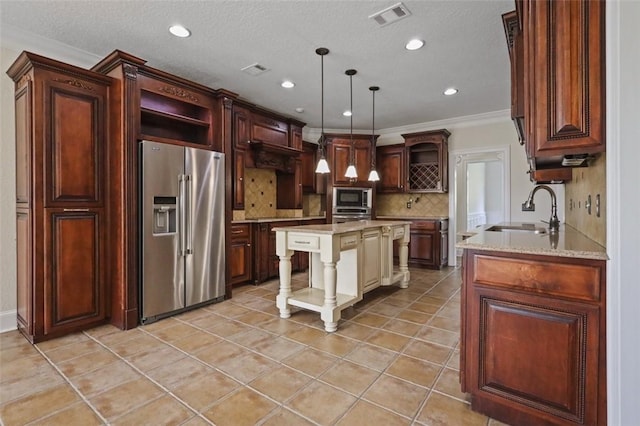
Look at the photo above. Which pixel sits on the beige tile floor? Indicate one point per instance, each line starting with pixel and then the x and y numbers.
pixel 393 361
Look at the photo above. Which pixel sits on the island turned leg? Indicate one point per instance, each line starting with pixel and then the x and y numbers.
pixel 284 267
pixel 403 263
pixel 329 313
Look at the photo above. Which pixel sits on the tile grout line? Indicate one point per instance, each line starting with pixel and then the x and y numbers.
pixel 143 374
pixel 76 390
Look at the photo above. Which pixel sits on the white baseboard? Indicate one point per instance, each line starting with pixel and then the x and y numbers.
pixel 8 320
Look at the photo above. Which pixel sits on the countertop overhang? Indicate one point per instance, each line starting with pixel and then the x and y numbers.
pixel 568 242
pixel 277 219
pixel 341 228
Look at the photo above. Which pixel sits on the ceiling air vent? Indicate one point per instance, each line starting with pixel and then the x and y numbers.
pixel 255 69
pixel 391 14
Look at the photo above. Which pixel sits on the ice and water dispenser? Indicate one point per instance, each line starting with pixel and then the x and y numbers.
pixel 164 215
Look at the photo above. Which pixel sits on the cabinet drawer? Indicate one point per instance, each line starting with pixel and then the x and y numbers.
pixel 303 242
pixel 348 242
pixel 429 225
pixel 559 279
pixel 240 231
pixel 398 232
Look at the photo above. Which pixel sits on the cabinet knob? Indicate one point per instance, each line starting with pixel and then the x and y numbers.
pixel 240 179
pixel 248 244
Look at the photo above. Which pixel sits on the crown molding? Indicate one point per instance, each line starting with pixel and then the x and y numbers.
pixel 17 39
pixel 501 116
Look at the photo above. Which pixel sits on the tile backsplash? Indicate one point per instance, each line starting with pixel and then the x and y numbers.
pixel 421 205
pixel 260 197
pixel 259 193
pixel 588 181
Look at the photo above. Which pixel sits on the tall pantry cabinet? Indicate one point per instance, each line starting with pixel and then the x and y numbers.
pixel 61 196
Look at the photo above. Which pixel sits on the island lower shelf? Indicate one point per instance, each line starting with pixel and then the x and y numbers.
pixel 340 269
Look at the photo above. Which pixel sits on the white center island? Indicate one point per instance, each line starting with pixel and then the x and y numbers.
pixel 346 260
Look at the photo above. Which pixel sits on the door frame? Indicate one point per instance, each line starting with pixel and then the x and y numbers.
pixel 458 161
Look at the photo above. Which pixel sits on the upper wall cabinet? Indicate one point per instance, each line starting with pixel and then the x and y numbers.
pixel 563 79
pixel 427 156
pixel 339 155
pixel 390 161
pixel 515 42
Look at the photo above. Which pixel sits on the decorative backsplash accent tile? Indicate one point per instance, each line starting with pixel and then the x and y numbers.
pixel 421 205
pixel 238 215
pixel 259 193
pixel 587 181
pixel 312 205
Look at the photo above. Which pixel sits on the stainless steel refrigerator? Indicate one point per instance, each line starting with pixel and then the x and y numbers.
pixel 182 254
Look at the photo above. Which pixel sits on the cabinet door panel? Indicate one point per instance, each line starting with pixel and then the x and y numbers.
pixel 24 272
pixel 241 127
pixel 362 155
pixel 340 161
pixel 238 179
pixel 536 353
pixel 75 149
pixel 240 259
pixel 75 275
pixel 421 247
pixel 567 96
pixel 390 165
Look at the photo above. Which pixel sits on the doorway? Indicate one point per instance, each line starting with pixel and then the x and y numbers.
pixel 480 191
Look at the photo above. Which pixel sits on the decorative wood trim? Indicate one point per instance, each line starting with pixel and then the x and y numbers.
pixel 181 93
pixel 75 83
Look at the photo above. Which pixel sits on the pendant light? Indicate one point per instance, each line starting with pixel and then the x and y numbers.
pixel 323 166
pixel 373 174
pixel 351 170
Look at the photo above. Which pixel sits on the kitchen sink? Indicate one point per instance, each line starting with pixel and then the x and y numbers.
pixel 525 227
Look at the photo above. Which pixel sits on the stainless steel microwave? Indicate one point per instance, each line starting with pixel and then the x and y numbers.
pixel 352 197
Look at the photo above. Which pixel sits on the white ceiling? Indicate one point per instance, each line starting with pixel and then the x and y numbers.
pixel 465 47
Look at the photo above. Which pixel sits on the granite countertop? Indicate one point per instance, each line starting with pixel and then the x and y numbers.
pixel 413 217
pixel 568 242
pixel 277 219
pixel 341 228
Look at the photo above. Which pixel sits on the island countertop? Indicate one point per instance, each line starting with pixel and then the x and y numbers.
pixel 568 242
pixel 341 228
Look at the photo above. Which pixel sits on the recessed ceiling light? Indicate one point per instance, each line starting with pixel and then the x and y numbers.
pixel 450 91
pixel 287 84
pixel 300 110
pixel 179 31
pixel 347 113
pixel 414 44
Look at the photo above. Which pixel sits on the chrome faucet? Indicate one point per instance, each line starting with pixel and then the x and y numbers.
pixel 529 206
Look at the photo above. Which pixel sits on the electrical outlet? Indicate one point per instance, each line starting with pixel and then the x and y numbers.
pixel 408 204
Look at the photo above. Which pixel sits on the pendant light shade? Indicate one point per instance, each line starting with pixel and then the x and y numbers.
pixel 351 170
pixel 323 166
pixel 373 174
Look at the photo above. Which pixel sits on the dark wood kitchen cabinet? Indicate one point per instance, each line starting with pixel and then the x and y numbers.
pixel 241 254
pixel 533 341
pixel 391 165
pixel 427 157
pixel 429 243
pixel 564 75
pixel 312 182
pixel 515 43
pixel 557 55
pixel 239 159
pixel 62 198
pixel 339 155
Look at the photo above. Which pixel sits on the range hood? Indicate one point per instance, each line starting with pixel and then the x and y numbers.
pixel 276 157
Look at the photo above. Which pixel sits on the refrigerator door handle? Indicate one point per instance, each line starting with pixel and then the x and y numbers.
pixel 188 214
pixel 181 215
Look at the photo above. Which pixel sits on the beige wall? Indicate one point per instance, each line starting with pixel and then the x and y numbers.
pixel 7 190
